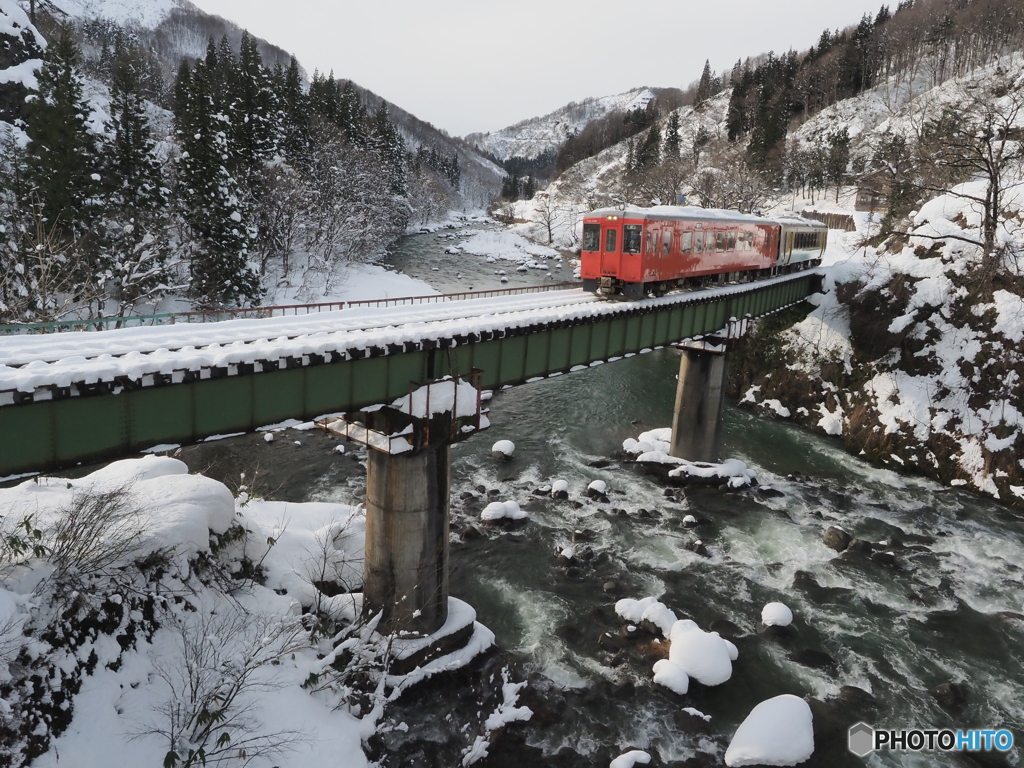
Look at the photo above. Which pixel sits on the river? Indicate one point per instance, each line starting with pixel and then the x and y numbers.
pixel 869 638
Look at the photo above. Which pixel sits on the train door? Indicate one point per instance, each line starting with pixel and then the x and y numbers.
pixel 610 239
pixel 786 252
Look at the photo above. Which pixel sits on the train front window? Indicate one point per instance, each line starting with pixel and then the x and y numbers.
pixel 610 241
pixel 631 239
pixel 591 237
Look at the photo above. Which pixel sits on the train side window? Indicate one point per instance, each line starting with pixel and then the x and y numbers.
pixel 666 242
pixel 750 240
pixel 687 241
pixel 591 237
pixel 631 234
pixel 610 239
pixel 732 241
pixel 652 238
pixel 698 242
pixel 720 241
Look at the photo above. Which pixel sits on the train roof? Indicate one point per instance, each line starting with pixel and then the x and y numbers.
pixel 695 213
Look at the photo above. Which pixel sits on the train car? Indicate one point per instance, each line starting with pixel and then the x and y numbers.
pixel 633 252
pixel 801 241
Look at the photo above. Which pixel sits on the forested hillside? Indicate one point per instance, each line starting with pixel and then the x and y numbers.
pixel 916 116
pixel 125 180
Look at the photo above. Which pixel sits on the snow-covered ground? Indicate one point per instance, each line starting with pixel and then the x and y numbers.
pixel 205 600
pixel 956 388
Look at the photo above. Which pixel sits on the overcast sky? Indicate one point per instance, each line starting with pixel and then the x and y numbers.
pixel 480 65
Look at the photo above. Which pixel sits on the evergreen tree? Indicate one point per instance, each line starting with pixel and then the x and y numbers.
pixel 254 128
pixel 529 187
pixel 672 141
pixel 136 199
pixel 211 203
pixel 704 87
pixel 352 115
pixel 510 187
pixel 648 154
pixel 294 115
pixel 389 146
pixel 63 167
pixel 837 157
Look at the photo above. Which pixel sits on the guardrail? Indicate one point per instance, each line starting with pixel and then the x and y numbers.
pixel 283 310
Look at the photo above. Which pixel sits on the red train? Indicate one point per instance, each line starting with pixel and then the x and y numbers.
pixel 633 252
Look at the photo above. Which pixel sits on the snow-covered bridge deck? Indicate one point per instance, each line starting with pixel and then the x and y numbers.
pixel 82 396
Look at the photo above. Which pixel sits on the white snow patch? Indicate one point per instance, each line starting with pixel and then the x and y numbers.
pixel 778 731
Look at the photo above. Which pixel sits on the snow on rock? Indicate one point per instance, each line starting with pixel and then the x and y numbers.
pixel 734 652
pixel 647 609
pixel 776 615
pixel 652 447
pixel 598 486
pixel 671 676
pixel 777 407
pixel 505 713
pixel 559 486
pixel 778 731
pixel 631 758
pixel 492 245
pixel 503 510
pixel 702 655
pixel 503 448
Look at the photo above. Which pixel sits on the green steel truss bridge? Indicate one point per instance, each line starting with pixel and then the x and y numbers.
pixel 86 396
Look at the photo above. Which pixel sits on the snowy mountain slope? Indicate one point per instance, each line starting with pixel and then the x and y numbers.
pixel 480 178
pixel 538 135
pixel 147 14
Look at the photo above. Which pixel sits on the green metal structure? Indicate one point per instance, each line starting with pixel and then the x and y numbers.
pixel 62 431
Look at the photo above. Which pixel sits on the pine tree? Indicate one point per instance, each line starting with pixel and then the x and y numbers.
pixel 254 129
pixel 672 141
pixel 529 186
pixel 63 166
pixel 211 202
pixel 294 115
pixel 510 187
pixel 389 146
pixel 323 97
pixel 704 91
pixel 136 199
pixel 648 154
pixel 352 115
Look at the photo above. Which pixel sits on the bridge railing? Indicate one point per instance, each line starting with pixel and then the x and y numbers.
pixel 282 310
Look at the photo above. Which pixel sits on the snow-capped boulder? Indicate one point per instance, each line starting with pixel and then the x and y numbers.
pixel 630 759
pixel 703 656
pixel 776 615
pixel 671 676
pixel 778 731
pixel 502 510
pixel 503 449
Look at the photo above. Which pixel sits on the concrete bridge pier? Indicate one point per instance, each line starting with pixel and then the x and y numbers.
pixel 697 421
pixel 405 572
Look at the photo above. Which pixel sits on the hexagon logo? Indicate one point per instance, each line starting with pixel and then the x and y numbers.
pixel 861 739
